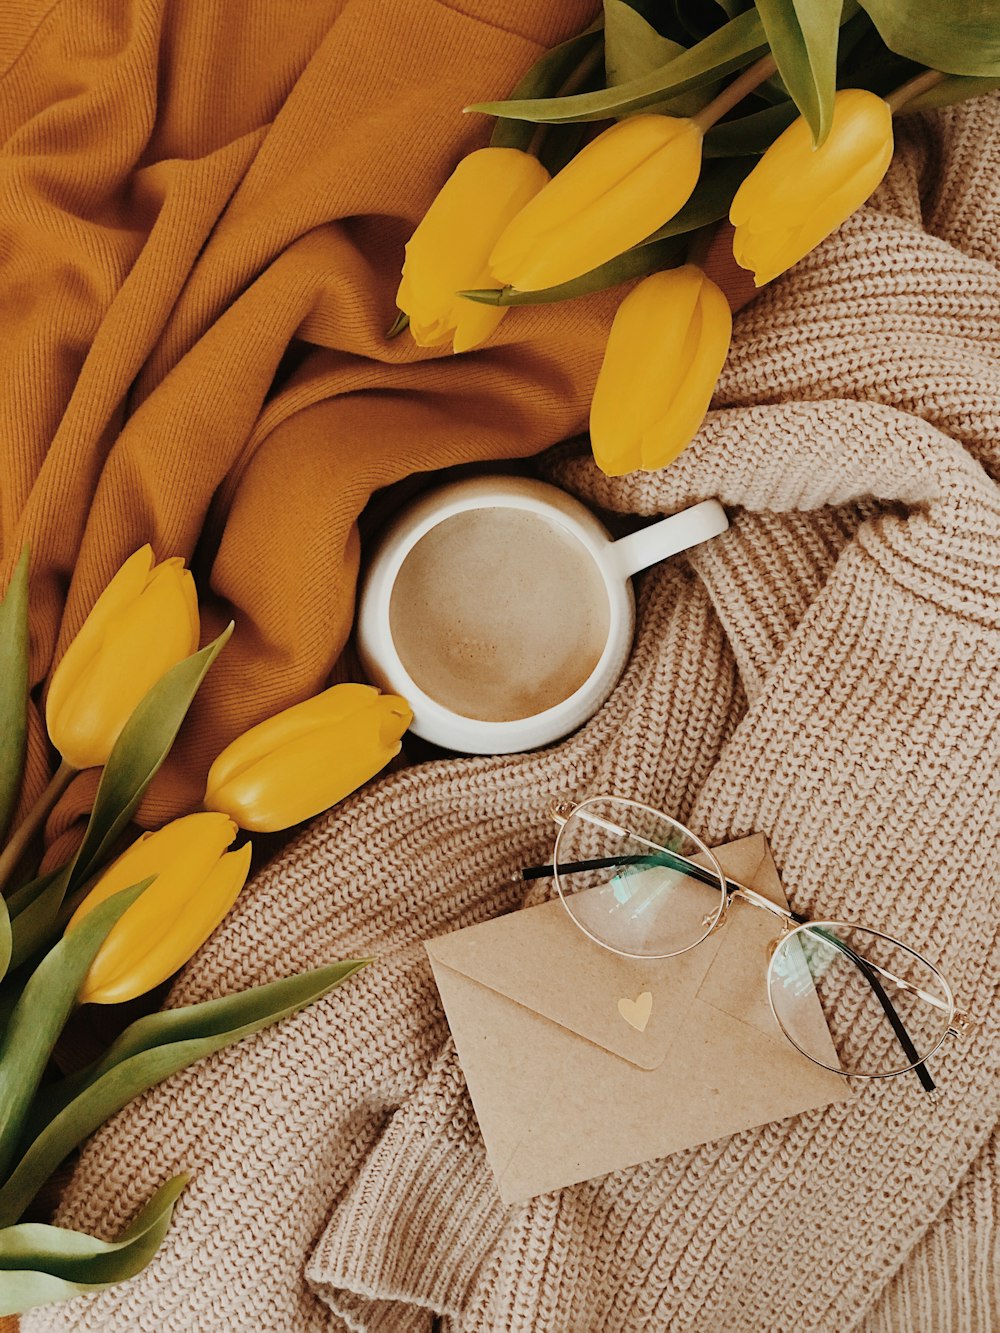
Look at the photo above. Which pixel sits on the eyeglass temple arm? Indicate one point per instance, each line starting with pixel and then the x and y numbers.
pixel 707 877
pixel 902 1036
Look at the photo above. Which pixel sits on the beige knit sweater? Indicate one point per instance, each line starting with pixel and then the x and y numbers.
pixel 827 673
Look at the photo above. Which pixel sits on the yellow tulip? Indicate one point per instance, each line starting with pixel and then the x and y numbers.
pixel 307 758
pixel 196 884
pixel 144 622
pixel 612 195
pixel 797 195
pixel 667 345
pixel 449 250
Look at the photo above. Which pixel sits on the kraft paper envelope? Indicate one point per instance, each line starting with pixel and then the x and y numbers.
pixel 566 1089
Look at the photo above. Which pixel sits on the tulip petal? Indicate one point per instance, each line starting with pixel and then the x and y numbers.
pixel 181 856
pixel 180 936
pixel 189 597
pixel 430 335
pixel 140 646
pixel 121 592
pixel 474 323
pixel 639 371
pixel 140 640
pixel 600 167
pixel 315 770
pixel 797 194
pixel 612 195
pixel 326 709
pixel 668 343
pixel 206 834
pixel 770 253
pixel 705 355
pixel 449 250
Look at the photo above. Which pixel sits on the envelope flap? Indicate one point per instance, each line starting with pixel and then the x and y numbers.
pixel 633 1008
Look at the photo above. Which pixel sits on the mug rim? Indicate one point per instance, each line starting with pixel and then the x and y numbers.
pixel 496 491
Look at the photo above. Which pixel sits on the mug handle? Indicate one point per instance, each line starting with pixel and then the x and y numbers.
pixel 649 545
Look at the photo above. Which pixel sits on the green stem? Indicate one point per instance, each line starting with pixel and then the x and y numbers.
pixel 906 92
pixel 752 77
pixel 33 821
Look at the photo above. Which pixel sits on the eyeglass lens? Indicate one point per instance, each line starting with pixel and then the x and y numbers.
pixel 835 987
pixel 621 872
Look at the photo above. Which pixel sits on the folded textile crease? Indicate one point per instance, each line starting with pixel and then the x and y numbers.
pixel 202 217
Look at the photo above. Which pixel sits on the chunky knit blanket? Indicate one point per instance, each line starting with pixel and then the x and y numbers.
pixel 827 673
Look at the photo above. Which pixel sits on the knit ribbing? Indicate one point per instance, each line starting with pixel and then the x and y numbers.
pixel 949 1282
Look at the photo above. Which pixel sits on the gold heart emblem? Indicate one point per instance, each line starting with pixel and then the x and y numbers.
pixel 636 1012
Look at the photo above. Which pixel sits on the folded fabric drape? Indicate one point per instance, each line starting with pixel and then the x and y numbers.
pixel 203 206
pixel 826 672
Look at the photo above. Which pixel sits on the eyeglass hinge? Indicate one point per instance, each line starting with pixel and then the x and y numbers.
pixel 560 811
pixel 962 1026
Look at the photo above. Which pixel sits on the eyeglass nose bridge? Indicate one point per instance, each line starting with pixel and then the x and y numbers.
pixel 787 926
pixel 713 922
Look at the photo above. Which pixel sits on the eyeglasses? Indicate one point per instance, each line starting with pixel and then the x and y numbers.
pixel 640 884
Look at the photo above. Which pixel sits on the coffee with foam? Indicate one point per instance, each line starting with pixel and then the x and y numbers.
pixel 499 613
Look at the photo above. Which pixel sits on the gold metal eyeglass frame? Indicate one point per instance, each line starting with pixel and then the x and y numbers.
pixel 958 1024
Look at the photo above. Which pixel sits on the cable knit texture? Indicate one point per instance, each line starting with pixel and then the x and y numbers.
pixel 826 673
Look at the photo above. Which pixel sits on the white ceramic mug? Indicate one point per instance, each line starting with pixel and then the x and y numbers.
pixel 616 562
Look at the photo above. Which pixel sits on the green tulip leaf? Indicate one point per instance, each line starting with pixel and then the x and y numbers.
pixel 13 688
pixel 803 38
pixel 635 263
pixel 401 322
pixel 633 48
pixel 10 993
pixel 41 1013
pixel 546 76
pixel 141 748
pixel 41 1264
pixel 147 1053
pixel 957 36
pixel 732 47
pixel 27 893
pixel 33 925
pixel 751 134
pixel 955 88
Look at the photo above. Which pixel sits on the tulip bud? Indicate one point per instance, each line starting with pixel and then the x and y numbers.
pixel 196 884
pixel 449 250
pixel 797 195
pixel 144 622
pixel 668 342
pixel 612 195
pixel 307 758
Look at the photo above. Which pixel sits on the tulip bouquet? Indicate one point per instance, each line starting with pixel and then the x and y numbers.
pixel 111 924
pixel 776 113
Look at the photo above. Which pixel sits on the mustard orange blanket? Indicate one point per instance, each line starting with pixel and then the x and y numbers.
pixel 203 206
